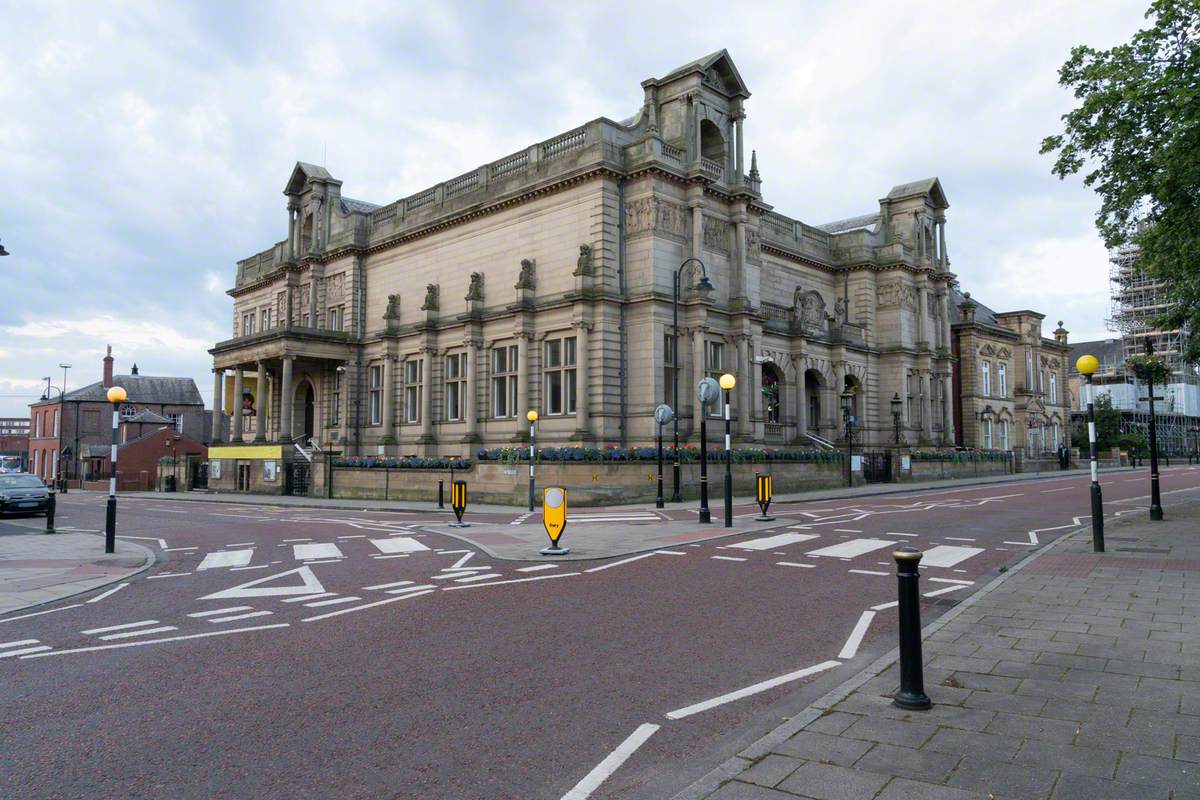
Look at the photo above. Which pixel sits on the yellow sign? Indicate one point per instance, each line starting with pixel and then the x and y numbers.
pixel 255 451
pixel 554 512
pixel 763 491
pixel 458 498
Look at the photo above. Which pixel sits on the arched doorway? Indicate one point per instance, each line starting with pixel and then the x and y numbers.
pixel 712 143
pixel 304 411
pixel 772 391
pixel 813 384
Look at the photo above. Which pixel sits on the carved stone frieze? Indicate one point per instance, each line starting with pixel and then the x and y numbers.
pixel 808 308
pixel 656 214
pixel 895 294
pixel 716 234
pixel 753 246
pixel 335 288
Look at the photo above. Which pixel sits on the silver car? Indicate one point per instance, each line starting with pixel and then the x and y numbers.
pixel 23 494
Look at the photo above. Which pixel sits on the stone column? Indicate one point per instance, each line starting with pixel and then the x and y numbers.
pixel 922 316
pixel 427 355
pixel 217 403
pixel 948 414
pixel 285 402
pixel 740 289
pixel 472 398
pixel 316 210
pixel 745 387
pixel 697 206
pixel 312 300
pixel 236 426
pixel 582 389
pixel 927 380
pixel 260 417
pixel 738 116
pixel 389 393
pixel 943 257
pixel 293 228
pixel 801 402
pixel 524 401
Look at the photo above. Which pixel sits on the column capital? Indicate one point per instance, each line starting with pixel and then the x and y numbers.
pixel 522 336
pixel 583 325
pixel 473 342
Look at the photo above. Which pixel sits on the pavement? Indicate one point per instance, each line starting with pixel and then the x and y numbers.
pixel 1072 676
pixel 37 568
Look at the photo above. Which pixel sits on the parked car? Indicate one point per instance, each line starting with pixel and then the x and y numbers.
pixel 23 494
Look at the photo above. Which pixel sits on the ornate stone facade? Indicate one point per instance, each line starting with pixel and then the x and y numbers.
pixel 608 212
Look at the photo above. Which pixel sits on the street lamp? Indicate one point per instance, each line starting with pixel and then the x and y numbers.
pixel 708 391
pixel 1085 366
pixel 897 405
pixel 116 396
pixel 662 415
pixel 1147 373
pixel 727 383
pixel 704 289
pixel 848 421
pixel 62 428
pixel 532 416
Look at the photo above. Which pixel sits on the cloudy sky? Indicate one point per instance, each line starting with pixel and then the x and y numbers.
pixel 145 145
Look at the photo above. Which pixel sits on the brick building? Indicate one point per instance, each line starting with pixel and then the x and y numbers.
pixel 14 439
pixel 144 441
pixel 82 419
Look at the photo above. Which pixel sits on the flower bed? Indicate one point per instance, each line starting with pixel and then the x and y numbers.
pixel 961 456
pixel 407 462
pixel 686 455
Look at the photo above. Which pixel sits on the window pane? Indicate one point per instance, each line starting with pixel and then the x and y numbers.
pixel 569 400
pixel 553 392
pixel 498 359
pixel 569 351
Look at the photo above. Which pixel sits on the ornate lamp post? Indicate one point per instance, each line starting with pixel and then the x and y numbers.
pixel 704 289
pixel 116 396
pixel 708 391
pixel 848 421
pixel 62 428
pixel 727 384
pixel 1147 369
pixel 662 415
pixel 532 416
pixel 897 405
pixel 1086 366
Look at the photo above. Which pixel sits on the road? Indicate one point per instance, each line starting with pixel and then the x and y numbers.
pixel 303 653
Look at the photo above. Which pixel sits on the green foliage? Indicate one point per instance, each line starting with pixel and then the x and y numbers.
pixel 1136 133
pixel 1149 368
pixel 1108 426
pixel 1133 443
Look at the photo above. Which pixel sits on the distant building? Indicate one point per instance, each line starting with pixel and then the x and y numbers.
pixel 14 440
pixel 82 419
pixel 1010 383
pixel 144 440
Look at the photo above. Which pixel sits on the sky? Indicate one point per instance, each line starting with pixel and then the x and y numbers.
pixel 145 146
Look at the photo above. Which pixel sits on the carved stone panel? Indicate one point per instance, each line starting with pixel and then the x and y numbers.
pixel 716 234
pixel 895 294
pixel 656 214
pixel 753 246
pixel 335 288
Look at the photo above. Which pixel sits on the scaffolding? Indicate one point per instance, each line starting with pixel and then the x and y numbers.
pixel 1136 300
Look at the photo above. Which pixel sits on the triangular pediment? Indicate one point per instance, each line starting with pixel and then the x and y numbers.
pixel 302 174
pixel 926 187
pixel 717 70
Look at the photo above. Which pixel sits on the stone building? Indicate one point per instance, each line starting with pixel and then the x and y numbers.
pixel 1010 384
pixel 544 280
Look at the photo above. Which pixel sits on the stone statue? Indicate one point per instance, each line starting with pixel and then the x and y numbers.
pixel 583 266
pixel 393 307
pixel 431 298
pixel 475 290
pixel 527 278
pixel 812 314
pixel 839 310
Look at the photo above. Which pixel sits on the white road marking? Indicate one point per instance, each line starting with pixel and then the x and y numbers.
pixel 727 558
pixel 397 555
pixel 167 575
pixel 335 601
pixel 178 549
pixel 460 562
pixel 846 530
pixel 471 578
pixel 214 612
pixel 113 590
pixel 952 580
pixel 656 552
pixel 763 686
pixel 850 648
pixel 612 564
pixel 157 641
pixel 241 544
pixel 793 564
pixel 399 544
pixel 883 606
pixel 256 566
pixel 1064 489
pixel 19 643
pixel 131 634
pixel 121 627
pixel 325 561
pixel 537 568
pixel 946 590
pixel 611 763
pixel 161 542
pixel 897 533
pixel 302 598
pixel 388 585
pixel 312 552
pixel 852 548
pixel 39 613
pixel 366 606
pixel 958 539
pixel 946 555
pixel 247 615
pixel 254 588
pixel 511 580
pixel 305 539
pixel 25 651
pixel 416 588
pixel 353 536
pixel 226 558
pixel 772 542
pixel 867 572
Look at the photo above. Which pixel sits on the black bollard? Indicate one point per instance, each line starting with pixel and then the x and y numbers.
pixel 912 680
pixel 441 499
pixel 51 502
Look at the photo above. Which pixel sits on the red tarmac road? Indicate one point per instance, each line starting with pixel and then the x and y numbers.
pixel 473 687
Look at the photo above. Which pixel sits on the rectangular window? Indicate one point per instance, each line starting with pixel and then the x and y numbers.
pixel 248 324
pixel 1002 377
pixel 266 319
pixel 921 400
pixel 55 423
pixel 559 372
pixel 1028 368
pixel 1042 380
pixel 909 392
pixel 335 318
pixel 412 391
pixel 1003 434
pixel 987 379
pixel 53 459
pixel 670 365
pixel 176 421
pixel 987 434
pixel 714 367
pixel 1053 389
pixel 504 381
pixel 37 425
pixel 456 386
pixel 375 396
pixel 335 399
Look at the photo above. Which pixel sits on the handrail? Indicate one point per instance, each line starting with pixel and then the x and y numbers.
pixel 823 443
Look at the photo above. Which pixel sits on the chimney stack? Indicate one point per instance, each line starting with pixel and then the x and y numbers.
pixel 108 365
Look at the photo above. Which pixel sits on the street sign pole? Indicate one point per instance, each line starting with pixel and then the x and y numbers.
pixel 663 414
pixel 708 391
pixel 658 500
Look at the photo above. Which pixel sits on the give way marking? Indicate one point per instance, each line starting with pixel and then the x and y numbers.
pixel 309 585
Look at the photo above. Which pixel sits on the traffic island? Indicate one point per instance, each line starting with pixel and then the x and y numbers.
pixel 42 569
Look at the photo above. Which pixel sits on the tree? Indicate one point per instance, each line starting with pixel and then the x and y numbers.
pixel 1137 132
pixel 1108 425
